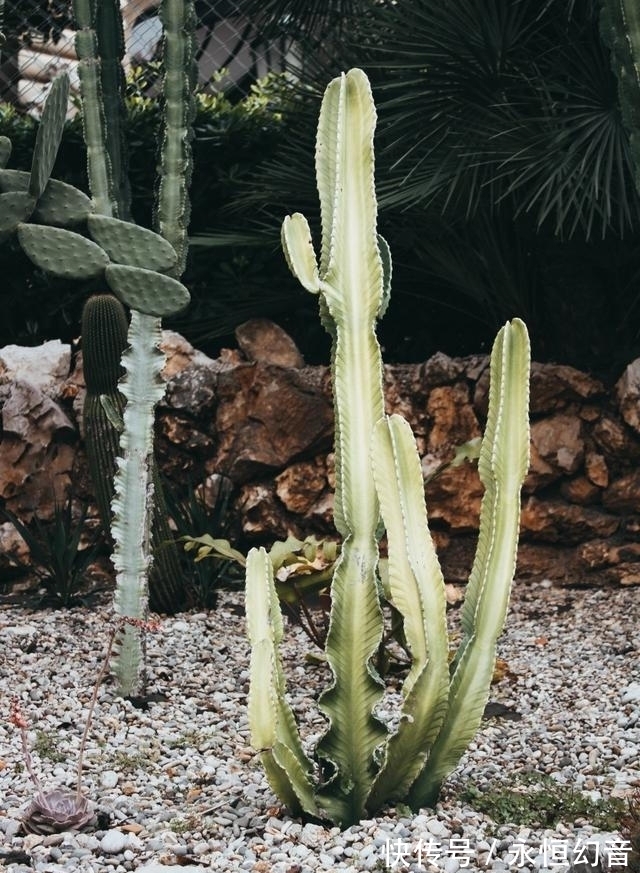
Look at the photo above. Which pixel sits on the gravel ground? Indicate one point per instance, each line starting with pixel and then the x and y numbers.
pixel 178 784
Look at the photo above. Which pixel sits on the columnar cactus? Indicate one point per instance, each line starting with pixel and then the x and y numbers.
pixel 620 27
pixel 135 277
pixel 104 340
pixel 378 477
pixel 133 263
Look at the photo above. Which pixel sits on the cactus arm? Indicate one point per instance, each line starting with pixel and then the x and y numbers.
pixel 416 587
pixel 620 28
pixel 273 729
pixel 142 388
pixel 180 76
pixel 93 120
pixel 299 253
pixel 111 49
pixel 503 463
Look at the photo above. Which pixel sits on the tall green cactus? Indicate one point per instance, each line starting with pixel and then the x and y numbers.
pixel 133 262
pixel 620 28
pixel 362 765
pixel 100 47
pixel 104 339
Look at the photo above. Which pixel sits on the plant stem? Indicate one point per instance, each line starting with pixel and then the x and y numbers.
pixel 92 704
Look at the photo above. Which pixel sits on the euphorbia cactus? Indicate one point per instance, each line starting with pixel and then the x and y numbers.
pixel 135 277
pixel 620 26
pixel 133 262
pixel 104 340
pixel 361 764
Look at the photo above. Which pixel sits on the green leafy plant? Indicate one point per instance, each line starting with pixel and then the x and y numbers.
pixel 537 800
pixel 361 764
pixel 55 550
pixel 195 513
pixel 302 569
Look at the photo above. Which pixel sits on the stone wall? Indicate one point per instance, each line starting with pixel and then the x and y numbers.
pixel 263 418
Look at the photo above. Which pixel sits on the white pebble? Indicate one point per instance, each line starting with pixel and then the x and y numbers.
pixel 113 842
pixel 109 779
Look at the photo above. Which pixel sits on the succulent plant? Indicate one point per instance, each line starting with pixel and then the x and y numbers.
pixel 55 811
pixel 363 764
pixel 143 273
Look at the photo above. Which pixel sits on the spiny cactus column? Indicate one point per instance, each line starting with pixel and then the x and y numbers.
pixel 104 339
pixel 620 27
pixel 142 385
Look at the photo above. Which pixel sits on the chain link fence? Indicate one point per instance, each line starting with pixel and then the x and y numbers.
pixel 40 44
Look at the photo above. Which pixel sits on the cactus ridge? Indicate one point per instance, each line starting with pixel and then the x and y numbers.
pixel 104 339
pixel 93 119
pixel 15 207
pixel 111 50
pixel 62 252
pixel 172 212
pixel 133 246
pixel 146 291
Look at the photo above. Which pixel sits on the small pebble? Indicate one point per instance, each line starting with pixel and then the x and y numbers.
pixel 183 775
pixel 113 842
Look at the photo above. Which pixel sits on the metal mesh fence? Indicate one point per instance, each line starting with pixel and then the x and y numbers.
pixel 40 44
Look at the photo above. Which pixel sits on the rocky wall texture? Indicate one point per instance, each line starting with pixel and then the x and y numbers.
pixel 261 417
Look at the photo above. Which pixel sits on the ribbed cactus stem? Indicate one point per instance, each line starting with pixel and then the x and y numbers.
pixel 620 27
pixel 93 120
pixel 180 77
pixel 104 339
pixel 111 49
pixel 142 387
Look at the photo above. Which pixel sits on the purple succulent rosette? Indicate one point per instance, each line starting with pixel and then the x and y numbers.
pixel 57 811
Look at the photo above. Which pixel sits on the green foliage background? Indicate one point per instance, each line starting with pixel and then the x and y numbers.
pixel 504 173
pixel 229 282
